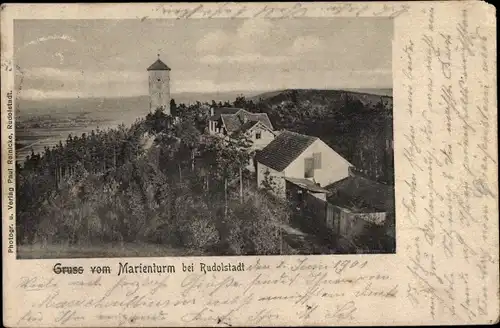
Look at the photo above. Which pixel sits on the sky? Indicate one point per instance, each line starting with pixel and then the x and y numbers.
pixel 108 58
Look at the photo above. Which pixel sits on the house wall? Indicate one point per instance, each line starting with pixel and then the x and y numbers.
pixel 333 166
pixel 212 126
pixel 266 137
pixel 215 127
pixel 159 90
pixel 318 207
pixel 277 178
pixel 354 224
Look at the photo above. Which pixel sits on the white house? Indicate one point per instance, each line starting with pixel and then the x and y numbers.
pixel 303 161
pixel 234 121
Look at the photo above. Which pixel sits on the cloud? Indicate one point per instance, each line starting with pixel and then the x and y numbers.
pixel 44 94
pixel 60 56
pixel 303 44
pixel 254 41
pixel 245 45
pixel 49 73
pixel 213 42
pixel 87 76
pixel 49 82
pixel 246 58
pixel 378 71
pixel 130 89
pixel 251 37
pixel 50 37
pixel 255 28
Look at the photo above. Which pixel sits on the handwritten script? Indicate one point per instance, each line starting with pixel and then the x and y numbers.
pixel 330 290
pixel 449 187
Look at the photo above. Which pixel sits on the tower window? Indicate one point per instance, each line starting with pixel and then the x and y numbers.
pixel 158 79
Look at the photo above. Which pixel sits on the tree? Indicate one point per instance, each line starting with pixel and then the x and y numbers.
pixel 158 121
pixel 268 183
pixel 189 137
pixel 294 97
pixel 255 225
pixel 173 108
pixel 240 102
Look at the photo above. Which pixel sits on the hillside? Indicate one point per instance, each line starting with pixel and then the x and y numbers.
pixel 322 97
pixel 182 194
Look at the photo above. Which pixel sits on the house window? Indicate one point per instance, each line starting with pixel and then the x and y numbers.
pixel 258 135
pixel 308 167
pixel 317 160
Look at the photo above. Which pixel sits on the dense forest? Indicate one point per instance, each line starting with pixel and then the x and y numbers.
pixel 154 182
pixel 165 181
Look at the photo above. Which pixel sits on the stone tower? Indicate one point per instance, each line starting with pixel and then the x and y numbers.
pixel 159 86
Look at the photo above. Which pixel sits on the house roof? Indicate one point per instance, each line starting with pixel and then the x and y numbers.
pixel 237 118
pixel 306 184
pixel 223 110
pixel 247 126
pixel 284 149
pixel 234 122
pixel 250 125
pixel 261 117
pixel 158 65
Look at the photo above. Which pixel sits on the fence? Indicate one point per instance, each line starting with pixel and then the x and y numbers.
pixel 336 221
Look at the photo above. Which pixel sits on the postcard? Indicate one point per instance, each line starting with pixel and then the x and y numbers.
pixel 249 164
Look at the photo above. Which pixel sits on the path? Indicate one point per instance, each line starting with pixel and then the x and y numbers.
pixel 305 243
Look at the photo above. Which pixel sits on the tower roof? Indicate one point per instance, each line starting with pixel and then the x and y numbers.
pixel 158 65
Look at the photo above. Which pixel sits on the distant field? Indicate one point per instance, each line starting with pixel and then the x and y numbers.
pixel 45 123
pixel 39 251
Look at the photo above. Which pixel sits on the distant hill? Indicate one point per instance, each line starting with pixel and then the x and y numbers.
pixel 324 97
pixel 191 97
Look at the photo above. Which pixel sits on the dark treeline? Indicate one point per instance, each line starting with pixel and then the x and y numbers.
pixel 159 181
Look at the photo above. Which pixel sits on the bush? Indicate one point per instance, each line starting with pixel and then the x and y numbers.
pixel 255 224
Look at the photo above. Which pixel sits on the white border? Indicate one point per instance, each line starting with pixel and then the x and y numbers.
pixel 421 298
